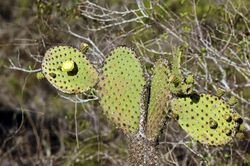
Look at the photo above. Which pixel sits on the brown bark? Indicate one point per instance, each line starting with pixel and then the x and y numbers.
pixel 143 152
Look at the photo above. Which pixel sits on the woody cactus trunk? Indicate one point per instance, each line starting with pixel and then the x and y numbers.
pixel 138 105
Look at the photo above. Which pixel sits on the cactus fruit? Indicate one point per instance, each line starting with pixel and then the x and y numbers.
pixel 206 118
pixel 68 66
pixel 186 88
pixel 68 70
pixel 178 84
pixel 220 92
pixel 159 99
pixel 189 79
pixel 232 101
pixel 174 79
pixel 39 75
pixel 84 47
pixel 121 87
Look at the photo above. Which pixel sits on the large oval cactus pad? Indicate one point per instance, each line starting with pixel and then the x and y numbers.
pixel 206 118
pixel 159 99
pixel 78 80
pixel 121 87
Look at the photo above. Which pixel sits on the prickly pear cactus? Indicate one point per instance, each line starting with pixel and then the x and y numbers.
pixel 206 118
pixel 68 70
pixel 121 87
pixel 159 99
pixel 177 83
pixel 176 63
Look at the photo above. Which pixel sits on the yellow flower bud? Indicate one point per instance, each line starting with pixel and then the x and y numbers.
pixel 68 66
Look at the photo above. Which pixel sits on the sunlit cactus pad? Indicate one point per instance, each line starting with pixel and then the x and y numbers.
pixel 68 70
pixel 206 118
pixel 159 99
pixel 121 88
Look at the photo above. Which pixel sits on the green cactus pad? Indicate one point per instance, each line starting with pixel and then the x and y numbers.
pixel 159 99
pixel 121 87
pixel 206 118
pixel 176 64
pixel 58 70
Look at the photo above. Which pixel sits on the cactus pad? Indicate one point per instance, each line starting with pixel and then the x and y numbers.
pixel 68 70
pixel 121 87
pixel 159 99
pixel 206 118
pixel 176 64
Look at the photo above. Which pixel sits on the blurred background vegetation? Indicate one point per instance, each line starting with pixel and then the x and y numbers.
pixel 37 123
